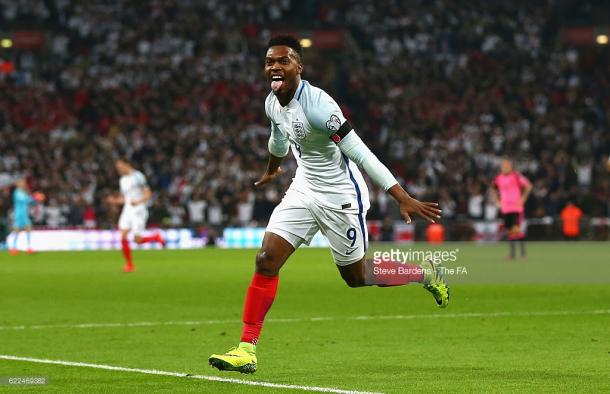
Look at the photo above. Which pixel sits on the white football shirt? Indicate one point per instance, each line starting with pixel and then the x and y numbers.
pixel 324 173
pixel 133 186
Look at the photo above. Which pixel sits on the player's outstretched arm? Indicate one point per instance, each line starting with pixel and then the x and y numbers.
pixel 273 169
pixel 353 147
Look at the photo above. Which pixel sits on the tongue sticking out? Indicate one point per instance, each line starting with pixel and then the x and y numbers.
pixel 276 85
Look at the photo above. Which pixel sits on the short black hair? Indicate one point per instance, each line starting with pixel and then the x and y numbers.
pixel 288 41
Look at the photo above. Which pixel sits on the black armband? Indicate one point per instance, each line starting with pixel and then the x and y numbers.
pixel 345 128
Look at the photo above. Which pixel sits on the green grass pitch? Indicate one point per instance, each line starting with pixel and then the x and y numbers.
pixel 535 325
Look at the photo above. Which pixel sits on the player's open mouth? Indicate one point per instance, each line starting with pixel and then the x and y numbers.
pixel 276 82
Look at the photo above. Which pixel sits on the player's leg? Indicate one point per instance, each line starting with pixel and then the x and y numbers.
pixel 125 225
pixel 290 225
pixel 259 298
pixel 261 292
pixel 142 217
pixel 521 233
pixel 513 239
pixel 348 237
pixel 19 223
pixel 126 249
pixel 522 246
pixel 387 273
pixel 157 237
pixel 510 226
pixel 28 239
pixel 382 273
pixel 513 223
pixel 13 248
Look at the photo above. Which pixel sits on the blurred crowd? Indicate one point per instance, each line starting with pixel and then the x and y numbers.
pixel 440 90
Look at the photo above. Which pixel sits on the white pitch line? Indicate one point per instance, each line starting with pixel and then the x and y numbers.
pixel 440 315
pixel 183 375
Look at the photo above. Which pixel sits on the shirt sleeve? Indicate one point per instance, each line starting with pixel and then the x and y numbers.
pixel 523 181
pixel 355 149
pixel 326 116
pixel 278 143
pixel 141 179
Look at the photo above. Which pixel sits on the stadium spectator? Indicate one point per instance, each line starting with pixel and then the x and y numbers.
pixel 196 207
pixel 571 215
pixel 89 217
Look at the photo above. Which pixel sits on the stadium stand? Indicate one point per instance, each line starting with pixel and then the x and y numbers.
pixel 178 87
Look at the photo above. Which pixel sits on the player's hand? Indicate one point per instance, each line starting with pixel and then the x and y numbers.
pixel 427 210
pixel 267 177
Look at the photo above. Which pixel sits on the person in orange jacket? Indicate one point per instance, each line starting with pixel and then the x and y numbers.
pixel 570 216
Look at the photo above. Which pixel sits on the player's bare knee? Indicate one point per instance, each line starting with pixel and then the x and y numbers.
pixel 266 263
pixel 353 274
pixel 354 281
pixel 138 239
pixel 353 278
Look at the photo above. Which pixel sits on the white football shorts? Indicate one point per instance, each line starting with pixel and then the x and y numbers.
pixel 133 219
pixel 298 218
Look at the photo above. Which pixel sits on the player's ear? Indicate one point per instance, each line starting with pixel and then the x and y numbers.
pixel 300 68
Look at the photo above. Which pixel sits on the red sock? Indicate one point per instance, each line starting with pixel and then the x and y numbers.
pixel 151 238
pixel 259 299
pixel 126 251
pixel 391 273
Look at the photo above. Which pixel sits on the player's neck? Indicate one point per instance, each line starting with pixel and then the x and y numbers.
pixel 285 99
